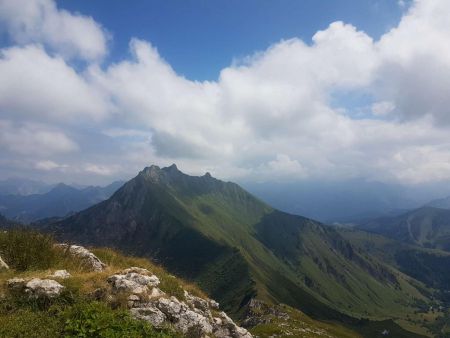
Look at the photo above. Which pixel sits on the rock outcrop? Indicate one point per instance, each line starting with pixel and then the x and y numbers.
pixel 61 274
pixel 195 316
pixel 90 260
pixel 3 265
pixel 36 287
pixel 192 316
pixel 134 280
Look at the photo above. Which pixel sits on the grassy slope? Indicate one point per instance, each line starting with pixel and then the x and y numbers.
pixel 76 313
pixel 231 216
pixel 209 219
pixel 427 227
pixel 429 266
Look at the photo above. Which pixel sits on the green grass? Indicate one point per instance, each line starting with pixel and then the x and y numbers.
pixel 202 228
pixel 26 249
pixel 74 313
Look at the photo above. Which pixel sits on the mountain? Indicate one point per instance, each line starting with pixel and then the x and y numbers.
pixel 426 227
pixel 6 223
pixel 429 266
pixel 59 201
pixel 23 186
pixel 237 248
pixel 443 203
pixel 338 202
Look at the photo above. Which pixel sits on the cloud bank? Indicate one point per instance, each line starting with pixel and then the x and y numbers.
pixel 282 113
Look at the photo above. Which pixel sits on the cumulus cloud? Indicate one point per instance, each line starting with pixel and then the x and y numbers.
pixel 34 139
pixel 40 21
pixel 276 114
pixel 35 85
pixel 382 108
pixel 49 165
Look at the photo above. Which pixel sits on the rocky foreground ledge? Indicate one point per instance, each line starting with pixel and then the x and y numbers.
pixel 192 316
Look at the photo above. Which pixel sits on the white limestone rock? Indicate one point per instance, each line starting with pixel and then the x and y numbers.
pixel 133 282
pixel 37 288
pixel 92 261
pixel 183 318
pixel 151 314
pixel 191 317
pixel 156 293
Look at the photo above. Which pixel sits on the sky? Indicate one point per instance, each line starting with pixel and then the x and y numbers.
pixel 93 91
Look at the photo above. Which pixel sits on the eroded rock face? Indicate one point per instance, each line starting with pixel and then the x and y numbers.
pixel 92 261
pixel 195 317
pixel 3 265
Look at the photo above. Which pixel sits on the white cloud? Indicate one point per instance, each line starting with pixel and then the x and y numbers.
pixel 72 35
pixel 271 114
pixel 100 169
pixel 382 108
pixel 49 165
pixel 34 139
pixel 34 85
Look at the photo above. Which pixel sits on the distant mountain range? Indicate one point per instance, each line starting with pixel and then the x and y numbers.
pixel 237 248
pixel 344 202
pixel 443 203
pixel 23 186
pixel 59 201
pixel 426 227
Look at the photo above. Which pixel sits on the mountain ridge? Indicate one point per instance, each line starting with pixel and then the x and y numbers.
pixel 59 201
pixel 427 227
pixel 215 233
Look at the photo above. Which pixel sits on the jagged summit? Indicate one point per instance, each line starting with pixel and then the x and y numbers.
pixel 171 173
pixel 200 227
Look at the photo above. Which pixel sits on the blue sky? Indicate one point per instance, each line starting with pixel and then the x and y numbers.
pixel 199 38
pixel 246 90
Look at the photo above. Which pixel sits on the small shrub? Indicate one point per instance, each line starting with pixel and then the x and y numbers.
pixel 25 249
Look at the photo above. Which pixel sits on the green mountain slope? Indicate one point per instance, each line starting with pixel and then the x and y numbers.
pixel 427 227
pixel 238 248
pixel 429 266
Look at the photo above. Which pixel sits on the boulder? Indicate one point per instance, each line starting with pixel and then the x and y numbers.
pixel 16 284
pixel 183 318
pixel 196 302
pixel 62 274
pixel 3 265
pixel 37 288
pixel 151 314
pixel 92 261
pixel 134 280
